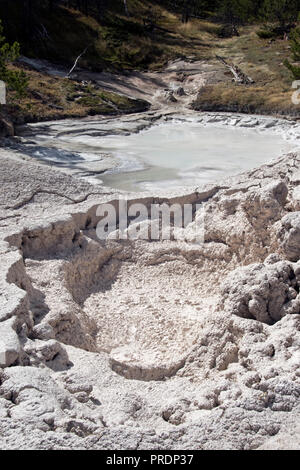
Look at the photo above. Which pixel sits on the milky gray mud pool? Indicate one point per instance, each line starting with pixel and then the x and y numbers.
pixel 188 154
pixel 157 153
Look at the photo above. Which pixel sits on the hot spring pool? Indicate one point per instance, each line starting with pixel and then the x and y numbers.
pixel 187 151
pixel 173 154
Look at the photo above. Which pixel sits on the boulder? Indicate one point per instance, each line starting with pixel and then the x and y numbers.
pixel 6 127
pixel 9 344
pixel 265 292
pixel 290 236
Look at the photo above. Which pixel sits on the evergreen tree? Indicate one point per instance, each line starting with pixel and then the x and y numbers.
pixel 280 11
pixel 15 80
pixel 295 42
pixel 235 11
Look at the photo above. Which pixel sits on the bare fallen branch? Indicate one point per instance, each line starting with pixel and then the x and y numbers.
pixel 238 75
pixel 76 61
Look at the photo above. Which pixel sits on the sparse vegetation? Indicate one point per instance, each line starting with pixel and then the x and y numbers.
pixel 57 98
pixel 295 42
pixel 264 62
pixel 146 39
pixel 15 80
pixel 283 12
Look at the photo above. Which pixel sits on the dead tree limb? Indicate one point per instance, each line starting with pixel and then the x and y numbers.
pixel 238 75
pixel 76 62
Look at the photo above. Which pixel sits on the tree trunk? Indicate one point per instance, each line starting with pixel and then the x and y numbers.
pixel 238 75
pixel 27 17
pixel 126 7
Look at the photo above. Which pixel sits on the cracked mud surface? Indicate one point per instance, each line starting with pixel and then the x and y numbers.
pixel 143 345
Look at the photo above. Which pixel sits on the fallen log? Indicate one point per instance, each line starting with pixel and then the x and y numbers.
pixel 150 26
pixel 238 75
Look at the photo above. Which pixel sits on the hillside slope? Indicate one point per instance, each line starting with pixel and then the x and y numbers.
pixel 122 44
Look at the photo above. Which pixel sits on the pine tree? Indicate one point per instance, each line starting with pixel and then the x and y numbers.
pixel 295 43
pixel 235 11
pixel 295 40
pixel 280 11
pixel 15 80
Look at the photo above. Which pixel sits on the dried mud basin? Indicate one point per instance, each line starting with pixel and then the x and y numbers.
pixel 140 344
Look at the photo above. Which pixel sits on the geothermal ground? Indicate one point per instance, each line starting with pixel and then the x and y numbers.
pixel 140 344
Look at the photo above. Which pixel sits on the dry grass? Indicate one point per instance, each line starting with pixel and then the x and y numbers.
pixel 124 43
pixel 252 99
pixel 263 61
pixel 57 98
pixel 115 43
